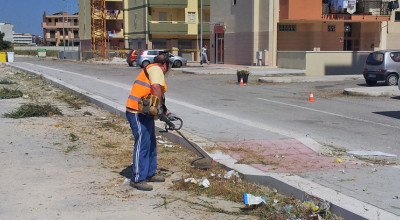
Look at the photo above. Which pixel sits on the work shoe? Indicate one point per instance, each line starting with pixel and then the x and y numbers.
pixel 156 178
pixel 141 186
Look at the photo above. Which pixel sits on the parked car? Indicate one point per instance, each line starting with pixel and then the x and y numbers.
pixel 147 56
pixel 383 65
pixel 132 56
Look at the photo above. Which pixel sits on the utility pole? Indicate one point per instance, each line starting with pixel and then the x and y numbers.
pixel 201 30
pixel 63 35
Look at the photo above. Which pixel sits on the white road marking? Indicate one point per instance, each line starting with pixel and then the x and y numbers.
pixel 330 113
pixel 84 76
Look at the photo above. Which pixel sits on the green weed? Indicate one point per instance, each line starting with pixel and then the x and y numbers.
pixel 33 110
pixel 6 81
pixel 9 93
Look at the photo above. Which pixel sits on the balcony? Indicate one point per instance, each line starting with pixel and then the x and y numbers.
pixel 114 15
pixel 168 4
pixel 365 11
pixel 318 10
pixel 206 27
pixel 168 27
pixel 58 25
pixel 115 34
pixel 206 4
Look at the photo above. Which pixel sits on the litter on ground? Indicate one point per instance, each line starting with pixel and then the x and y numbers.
pixel 250 199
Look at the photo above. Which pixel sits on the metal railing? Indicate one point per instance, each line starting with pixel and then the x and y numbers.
pixel 373 8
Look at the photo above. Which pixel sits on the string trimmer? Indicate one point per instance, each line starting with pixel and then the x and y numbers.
pixel 204 162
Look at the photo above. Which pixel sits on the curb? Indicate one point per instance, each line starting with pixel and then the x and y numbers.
pixel 374 91
pixel 307 79
pixel 286 184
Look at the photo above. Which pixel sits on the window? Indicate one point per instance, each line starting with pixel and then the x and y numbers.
pixel 56 20
pixel 331 28
pixel 191 17
pixel 162 16
pixel 287 27
pixel 234 2
pixel 135 21
pixel 397 16
pixel 395 56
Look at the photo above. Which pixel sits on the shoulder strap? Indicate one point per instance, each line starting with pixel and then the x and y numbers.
pixel 146 73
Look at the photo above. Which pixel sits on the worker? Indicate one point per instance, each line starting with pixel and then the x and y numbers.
pixel 144 105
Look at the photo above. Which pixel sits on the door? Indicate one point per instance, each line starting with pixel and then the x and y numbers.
pixel 219 56
pixel 351 40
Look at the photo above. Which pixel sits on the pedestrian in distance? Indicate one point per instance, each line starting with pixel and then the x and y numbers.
pixel 204 55
pixel 144 105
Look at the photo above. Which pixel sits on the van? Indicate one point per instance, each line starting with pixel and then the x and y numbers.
pixel 382 65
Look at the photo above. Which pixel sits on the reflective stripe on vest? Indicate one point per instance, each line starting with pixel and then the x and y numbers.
pixel 140 88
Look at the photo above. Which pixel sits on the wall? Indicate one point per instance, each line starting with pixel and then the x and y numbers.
pixel 393 29
pixel 85 20
pixel 7 30
pixel 292 59
pixel 46 47
pixel 320 63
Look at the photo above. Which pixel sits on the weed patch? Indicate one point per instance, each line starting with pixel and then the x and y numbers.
pixel 278 207
pixel 73 137
pixel 9 93
pixel 72 100
pixel 33 110
pixel 6 81
pixel 70 148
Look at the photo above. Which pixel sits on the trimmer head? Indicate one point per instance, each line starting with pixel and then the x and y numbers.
pixel 202 163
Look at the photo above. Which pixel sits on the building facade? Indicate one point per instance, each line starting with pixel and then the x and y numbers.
pixel 269 26
pixel 19 38
pixel 60 29
pixel 114 15
pixel 172 25
pixel 8 30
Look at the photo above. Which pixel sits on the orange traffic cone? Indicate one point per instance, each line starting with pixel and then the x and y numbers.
pixel 311 99
pixel 241 82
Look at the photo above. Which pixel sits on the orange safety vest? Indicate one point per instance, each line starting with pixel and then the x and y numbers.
pixel 140 88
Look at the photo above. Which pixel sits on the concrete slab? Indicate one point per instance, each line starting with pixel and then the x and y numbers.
pixel 283 156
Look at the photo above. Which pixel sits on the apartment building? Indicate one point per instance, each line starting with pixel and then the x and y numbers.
pixel 173 25
pixel 19 38
pixel 114 23
pixel 8 30
pixel 60 27
pixel 273 26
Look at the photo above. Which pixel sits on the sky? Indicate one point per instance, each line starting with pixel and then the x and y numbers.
pixel 27 15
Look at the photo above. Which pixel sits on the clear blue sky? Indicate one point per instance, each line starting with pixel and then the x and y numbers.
pixel 27 15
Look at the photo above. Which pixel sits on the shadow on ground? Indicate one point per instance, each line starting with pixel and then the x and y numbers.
pixel 392 114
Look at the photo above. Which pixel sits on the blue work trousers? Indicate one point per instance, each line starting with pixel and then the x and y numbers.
pixel 145 147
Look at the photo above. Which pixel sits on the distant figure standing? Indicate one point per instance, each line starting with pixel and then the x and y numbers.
pixel 204 55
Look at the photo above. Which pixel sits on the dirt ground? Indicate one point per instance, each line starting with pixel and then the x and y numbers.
pixel 73 166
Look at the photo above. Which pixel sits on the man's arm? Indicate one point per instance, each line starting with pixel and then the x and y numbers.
pixel 156 90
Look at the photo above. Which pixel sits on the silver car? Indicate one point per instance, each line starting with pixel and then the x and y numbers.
pixel 146 57
pixel 382 65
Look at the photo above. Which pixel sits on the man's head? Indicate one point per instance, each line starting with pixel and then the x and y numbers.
pixel 163 60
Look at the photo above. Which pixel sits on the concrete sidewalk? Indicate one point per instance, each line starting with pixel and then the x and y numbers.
pixel 297 167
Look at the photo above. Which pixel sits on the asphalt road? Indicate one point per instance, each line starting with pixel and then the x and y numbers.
pixel 214 107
